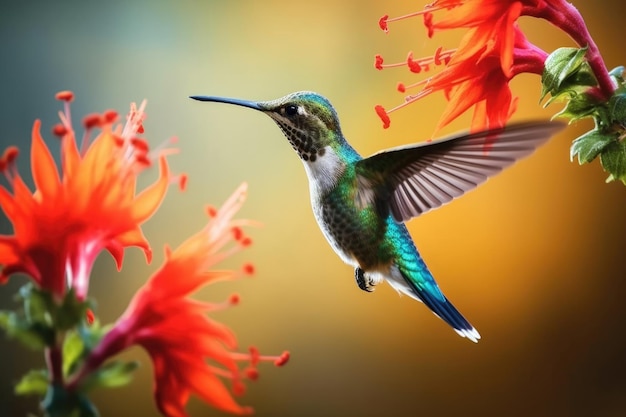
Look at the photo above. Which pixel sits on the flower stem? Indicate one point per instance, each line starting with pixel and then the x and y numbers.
pixel 565 16
pixel 529 59
pixel 54 361
pixel 112 343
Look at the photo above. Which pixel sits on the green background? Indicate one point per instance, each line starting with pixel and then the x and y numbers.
pixel 534 259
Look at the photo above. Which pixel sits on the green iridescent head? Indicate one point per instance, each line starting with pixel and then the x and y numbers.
pixel 307 119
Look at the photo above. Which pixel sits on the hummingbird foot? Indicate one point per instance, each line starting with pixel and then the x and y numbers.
pixel 366 284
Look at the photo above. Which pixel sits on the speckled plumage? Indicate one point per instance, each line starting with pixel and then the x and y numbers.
pixel 360 204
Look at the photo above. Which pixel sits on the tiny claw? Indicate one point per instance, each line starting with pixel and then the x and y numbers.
pixel 363 283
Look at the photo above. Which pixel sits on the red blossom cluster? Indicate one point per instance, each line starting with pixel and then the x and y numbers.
pixel 493 50
pixel 89 204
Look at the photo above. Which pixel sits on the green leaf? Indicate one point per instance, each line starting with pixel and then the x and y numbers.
pixel 613 159
pixel 34 336
pixel 33 383
pixel 73 347
pixel 589 145
pixel 617 108
pixel 5 318
pixel 111 375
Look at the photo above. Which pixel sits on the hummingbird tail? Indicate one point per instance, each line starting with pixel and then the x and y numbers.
pixel 448 313
pixel 429 293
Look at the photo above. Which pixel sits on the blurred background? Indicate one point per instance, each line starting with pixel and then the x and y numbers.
pixel 534 259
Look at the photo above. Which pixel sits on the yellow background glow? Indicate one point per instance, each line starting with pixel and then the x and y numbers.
pixel 533 258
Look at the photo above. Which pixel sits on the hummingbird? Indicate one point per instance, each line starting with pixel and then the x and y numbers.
pixel 361 204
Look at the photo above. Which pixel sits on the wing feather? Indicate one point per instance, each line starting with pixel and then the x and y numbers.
pixel 415 179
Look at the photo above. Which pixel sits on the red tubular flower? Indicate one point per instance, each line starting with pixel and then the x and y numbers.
pixel 477 73
pixel 491 23
pixel 174 329
pixel 479 81
pixel 90 205
pixel 493 39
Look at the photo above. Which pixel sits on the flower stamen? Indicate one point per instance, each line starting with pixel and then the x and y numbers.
pixel 379 65
pixel 90 122
pixel 384 114
pixel 255 357
pixel 384 20
pixel 248 269
pixel 403 87
pixel 7 163
pixel 59 130
pixel 66 96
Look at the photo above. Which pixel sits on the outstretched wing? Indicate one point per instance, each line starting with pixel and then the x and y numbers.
pixel 414 179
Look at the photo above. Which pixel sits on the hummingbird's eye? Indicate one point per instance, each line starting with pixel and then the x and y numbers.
pixel 291 110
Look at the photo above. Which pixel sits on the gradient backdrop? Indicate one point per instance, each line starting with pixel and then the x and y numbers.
pixel 534 259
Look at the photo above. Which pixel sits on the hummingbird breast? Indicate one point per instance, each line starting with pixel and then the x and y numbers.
pixel 357 234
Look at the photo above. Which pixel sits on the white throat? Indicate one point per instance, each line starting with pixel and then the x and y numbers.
pixel 324 172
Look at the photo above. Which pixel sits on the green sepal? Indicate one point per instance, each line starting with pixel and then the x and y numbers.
pixel 576 86
pixel 71 312
pixel 37 304
pixel 113 374
pixel 559 66
pixel 35 382
pixel 590 145
pixel 578 107
pixel 40 307
pixel 613 159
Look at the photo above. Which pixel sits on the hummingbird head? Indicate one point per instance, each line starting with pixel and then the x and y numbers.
pixel 307 119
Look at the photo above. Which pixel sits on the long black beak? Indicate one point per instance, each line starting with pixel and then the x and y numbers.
pixel 235 101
